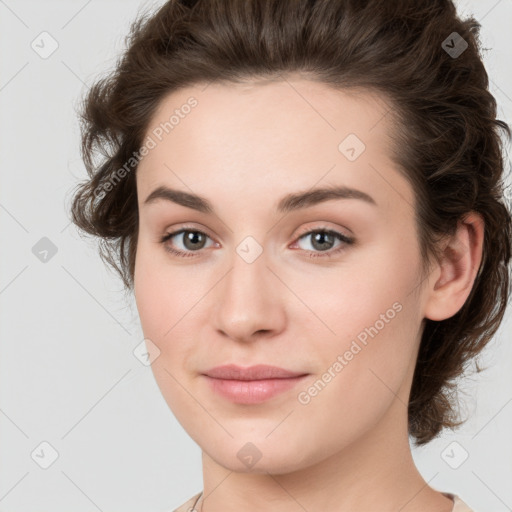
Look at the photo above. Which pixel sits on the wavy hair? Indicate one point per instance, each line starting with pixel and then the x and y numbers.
pixel 420 56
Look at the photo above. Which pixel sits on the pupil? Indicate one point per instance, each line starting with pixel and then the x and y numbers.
pixel 319 237
pixel 192 237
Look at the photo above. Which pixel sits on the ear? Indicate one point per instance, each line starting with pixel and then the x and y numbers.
pixel 451 280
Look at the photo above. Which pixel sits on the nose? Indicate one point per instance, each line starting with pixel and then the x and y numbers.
pixel 249 301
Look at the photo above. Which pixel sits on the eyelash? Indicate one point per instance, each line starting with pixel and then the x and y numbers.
pixel 312 254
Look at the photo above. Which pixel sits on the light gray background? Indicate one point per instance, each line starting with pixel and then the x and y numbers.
pixel 67 372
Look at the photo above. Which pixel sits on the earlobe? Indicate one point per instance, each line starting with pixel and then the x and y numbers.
pixel 455 274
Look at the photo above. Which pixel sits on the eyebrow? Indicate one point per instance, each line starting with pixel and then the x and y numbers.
pixel 290 202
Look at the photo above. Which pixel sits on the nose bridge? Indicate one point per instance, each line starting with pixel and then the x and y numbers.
pixel 246 300
pixel 245 284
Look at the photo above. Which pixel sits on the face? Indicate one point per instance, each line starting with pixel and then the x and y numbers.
pixel 326 286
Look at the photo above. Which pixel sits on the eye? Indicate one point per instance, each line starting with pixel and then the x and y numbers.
pixel 323 240
pixel 194 240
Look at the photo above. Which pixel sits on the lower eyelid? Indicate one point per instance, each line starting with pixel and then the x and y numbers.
pixel 345 240
pixel 167 237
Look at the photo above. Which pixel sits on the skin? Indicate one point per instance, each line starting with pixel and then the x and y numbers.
pixel 244 147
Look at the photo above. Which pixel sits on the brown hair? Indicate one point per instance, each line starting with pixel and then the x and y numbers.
pixel 446 137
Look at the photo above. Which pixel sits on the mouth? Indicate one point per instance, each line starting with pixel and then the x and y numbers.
pixel 252 385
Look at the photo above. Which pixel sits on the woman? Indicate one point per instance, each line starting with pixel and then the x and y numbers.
pixel 338 165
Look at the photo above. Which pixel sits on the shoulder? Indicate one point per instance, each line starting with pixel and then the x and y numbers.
pixel 188 506
pixel 458 504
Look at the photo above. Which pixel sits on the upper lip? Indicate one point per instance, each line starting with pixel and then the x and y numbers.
pixel 257 372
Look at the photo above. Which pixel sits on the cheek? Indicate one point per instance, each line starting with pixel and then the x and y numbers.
pixel 349 299
pixel 364 370
pixel 375 316
pixel 159 295
pixel 365 290
pixel 153 295
pixel 160 292
pixel 168 300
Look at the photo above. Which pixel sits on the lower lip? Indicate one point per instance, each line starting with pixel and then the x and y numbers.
pixel 252 391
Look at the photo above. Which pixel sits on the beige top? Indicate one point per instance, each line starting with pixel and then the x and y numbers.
pixel 458 504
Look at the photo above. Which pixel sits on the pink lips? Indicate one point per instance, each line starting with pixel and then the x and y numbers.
pixel 251 385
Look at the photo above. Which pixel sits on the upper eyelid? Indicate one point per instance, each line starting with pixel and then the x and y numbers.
pixel 302 233
pixel 310 230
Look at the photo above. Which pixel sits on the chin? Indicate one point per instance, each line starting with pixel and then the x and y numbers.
pixel 258 454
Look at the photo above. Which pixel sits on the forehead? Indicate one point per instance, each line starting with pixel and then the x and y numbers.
pixel 272 110
pixel 270 135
